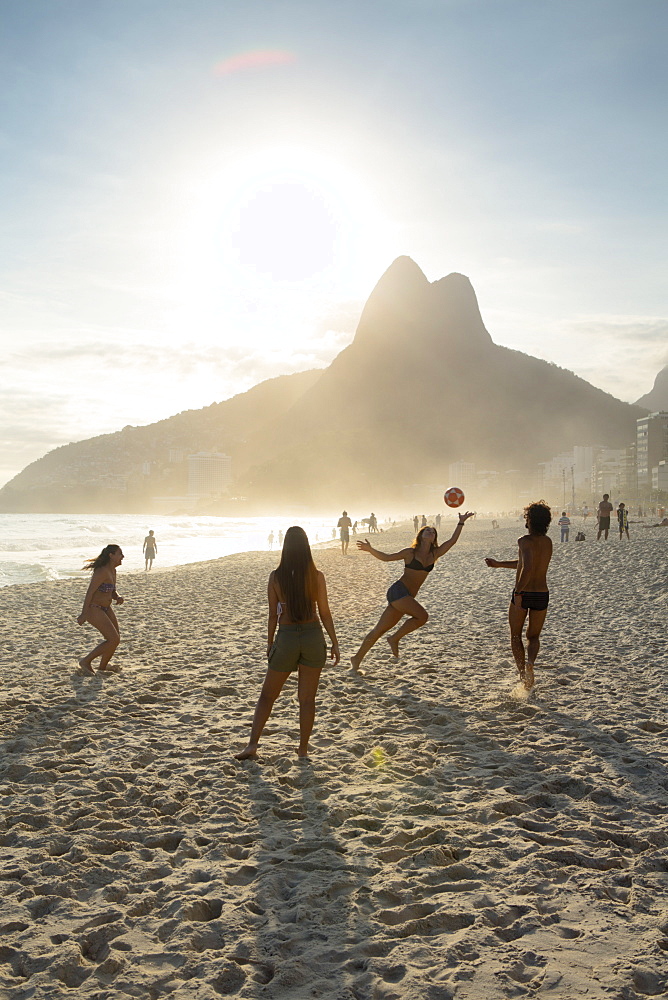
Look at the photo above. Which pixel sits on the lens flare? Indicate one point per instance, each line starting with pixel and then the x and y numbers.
pixel 256 59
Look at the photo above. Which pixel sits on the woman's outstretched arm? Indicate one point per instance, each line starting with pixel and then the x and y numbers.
pixel 454 537
pixel 366 546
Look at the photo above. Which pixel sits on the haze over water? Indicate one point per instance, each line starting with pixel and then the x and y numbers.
pixel 35 547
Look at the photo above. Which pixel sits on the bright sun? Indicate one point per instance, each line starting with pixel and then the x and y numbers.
pixel 274 239
pixel 284 214
pixel 287 229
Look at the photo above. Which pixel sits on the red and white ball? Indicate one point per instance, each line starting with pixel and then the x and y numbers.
pixel 454 497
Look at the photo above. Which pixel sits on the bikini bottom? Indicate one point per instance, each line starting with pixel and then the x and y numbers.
pixel 397 591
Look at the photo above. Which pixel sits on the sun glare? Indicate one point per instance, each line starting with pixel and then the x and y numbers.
pixel 284 214
pixel 287 229
pixel 274 238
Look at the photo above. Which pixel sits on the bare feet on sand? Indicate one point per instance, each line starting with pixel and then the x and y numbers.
pixel 109 669
pixel 248 753
pixel 355 660
pixel 394 646
pixel 528 676
pixel 86 667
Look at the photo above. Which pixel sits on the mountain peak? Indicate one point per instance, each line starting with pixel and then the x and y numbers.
pixel 657 398
pixel 405 302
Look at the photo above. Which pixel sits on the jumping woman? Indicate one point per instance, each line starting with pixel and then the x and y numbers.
pixel 97 607
pixel 419 561
pixel 297 596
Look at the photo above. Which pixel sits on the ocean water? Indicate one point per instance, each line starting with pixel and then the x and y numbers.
pixel 36 547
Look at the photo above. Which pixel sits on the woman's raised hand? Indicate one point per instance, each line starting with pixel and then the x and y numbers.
pixel 466 516
pixel 365 546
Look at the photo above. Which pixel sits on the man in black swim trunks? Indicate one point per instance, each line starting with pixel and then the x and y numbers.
pixel 604 512
pixel 530 594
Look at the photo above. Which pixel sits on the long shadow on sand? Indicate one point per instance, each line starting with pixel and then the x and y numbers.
pixel 545 758
pixel 313 895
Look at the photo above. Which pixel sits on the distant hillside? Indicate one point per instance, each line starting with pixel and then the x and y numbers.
pixel 657 398
pixel 106 472
pixel 421 386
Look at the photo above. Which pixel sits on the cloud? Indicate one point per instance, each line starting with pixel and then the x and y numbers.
pixel 620 354
pixel 342 317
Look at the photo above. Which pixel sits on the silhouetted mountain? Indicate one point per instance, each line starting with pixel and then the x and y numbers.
pixel 422 385
pixel 657 398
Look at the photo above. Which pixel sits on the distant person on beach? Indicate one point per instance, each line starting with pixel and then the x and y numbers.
pixel 97 608
pixel 150 549
pixel 280 536
pixel 603 514
pixel 437 522
pixel 373 522
pixel 623 521
pixel 297 595
pixel 270 539
pixel 530 593
pixel 416 524
pixel 423 523
pixel 585 512
pixel 418 560
pixel 564 523
pixel 354 527
pixel 344 525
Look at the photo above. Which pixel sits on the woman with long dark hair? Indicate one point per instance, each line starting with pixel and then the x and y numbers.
pixel 419 561
pixel 97 608
pixel 297 595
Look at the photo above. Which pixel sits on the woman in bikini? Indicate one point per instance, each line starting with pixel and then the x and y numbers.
pixel 97 607
pixel 419 561
pixel 297 596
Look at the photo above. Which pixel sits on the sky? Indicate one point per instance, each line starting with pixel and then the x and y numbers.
pixel 199 195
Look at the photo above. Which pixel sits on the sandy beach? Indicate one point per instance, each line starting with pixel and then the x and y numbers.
pixel 447 838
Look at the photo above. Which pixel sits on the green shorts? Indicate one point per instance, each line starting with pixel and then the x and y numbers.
pixel 298 645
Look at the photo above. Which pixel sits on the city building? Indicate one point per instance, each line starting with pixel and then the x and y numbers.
pixel 614 473
pixel 651 447
pixel 660 477
pixel 209 474
pixel 462 474
pixel 557 479
pixel 583 461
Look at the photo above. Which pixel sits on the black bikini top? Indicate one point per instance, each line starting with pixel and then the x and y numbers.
pixel 416 564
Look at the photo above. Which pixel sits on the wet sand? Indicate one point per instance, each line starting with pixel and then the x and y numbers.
pixel 447 838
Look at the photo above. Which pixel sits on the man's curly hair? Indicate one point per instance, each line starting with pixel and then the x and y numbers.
pixel 538 515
